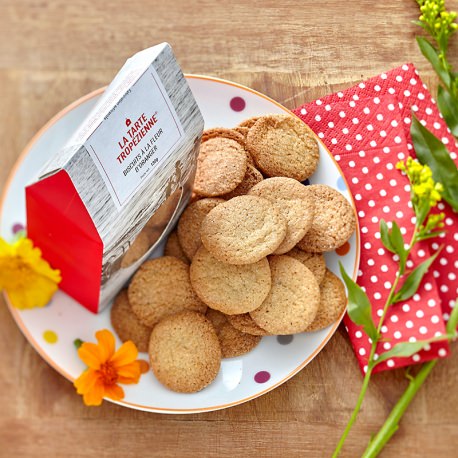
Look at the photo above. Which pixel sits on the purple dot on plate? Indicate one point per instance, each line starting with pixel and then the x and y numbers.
pixel 285 340
pixel 306 182
pixel 18 227
pixel 237 104
pixel 262 377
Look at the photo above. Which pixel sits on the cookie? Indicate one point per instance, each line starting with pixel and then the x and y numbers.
pixel 126 324
pixel 217 319
pixel 221 166
pixel 332 303
pixel 246 324
pixel 293 300
pixel 243 230
pixel 233 342
pixel 333 224
pixel 236 343
pixel 313 261
pixel 282 145
pixel 242 131
pixel 173 248
pixel 294 201
pixel 161 217
pixel 222 132
pixel 137 249
pixel 190 222
pixel 249 123
pixel 160 288
pixel 184 352
pixel 231 289
pixel 252 177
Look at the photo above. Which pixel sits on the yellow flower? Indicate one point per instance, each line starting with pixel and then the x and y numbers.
pixel 26 277
pixel 424 188
pixel 107 368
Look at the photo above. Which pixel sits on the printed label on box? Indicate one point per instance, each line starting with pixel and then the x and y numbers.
pixel 145 129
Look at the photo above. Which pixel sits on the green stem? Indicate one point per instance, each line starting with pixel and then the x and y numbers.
pixel 391 424
pixel 370 364
pixel 355 412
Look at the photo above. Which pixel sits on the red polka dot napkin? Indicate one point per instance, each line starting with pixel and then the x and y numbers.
pixel 366 128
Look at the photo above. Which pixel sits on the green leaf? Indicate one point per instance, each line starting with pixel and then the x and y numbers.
pixel 452 322
pixel 431 151
pixel 413 280
pixel 402 350
pixel 406 349
pixel 359 306
pixel 430 235
pixel 397 240
pixel 385 236
pixel 393 241
pixel 428 50
pixel 448 105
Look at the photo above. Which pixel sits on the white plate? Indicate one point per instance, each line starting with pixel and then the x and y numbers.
pixel 240 379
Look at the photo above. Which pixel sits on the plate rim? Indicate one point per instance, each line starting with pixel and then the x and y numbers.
pixel 16 315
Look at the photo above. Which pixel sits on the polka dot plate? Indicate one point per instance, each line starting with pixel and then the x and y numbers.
pixel 53 329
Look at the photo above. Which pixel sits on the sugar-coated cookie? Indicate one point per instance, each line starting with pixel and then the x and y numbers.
pixel 294 201
pixel 333 302
pixel 252 177
pixel 233 342
pixel 221 166
pixel 137 249
pixel 282 145
pixel 160 288
pixel 243 230
pixel 126 324
pixel 231 289
pixel 293 300
pixel 246 324
pixel 250 122
pixel 173 248
pixel 313 261
pixel 185 352
pixel 190 222
pixel 332 225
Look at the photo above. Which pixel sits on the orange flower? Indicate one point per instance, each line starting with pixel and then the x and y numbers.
pixel 107 368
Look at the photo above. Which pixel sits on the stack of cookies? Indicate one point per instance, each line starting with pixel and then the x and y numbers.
pixel 246 259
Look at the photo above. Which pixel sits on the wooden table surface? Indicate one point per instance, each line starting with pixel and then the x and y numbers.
pixel 54 51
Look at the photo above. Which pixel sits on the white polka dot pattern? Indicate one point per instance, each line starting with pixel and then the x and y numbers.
pixel 367 138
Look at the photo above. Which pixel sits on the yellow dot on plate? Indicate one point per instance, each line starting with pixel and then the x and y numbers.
pixel 50 337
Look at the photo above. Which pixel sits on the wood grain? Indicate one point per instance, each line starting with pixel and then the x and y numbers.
pixel 54 51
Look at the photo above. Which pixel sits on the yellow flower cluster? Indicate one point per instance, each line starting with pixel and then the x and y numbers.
pixel 26 277
pixel 436 18
pixel 424 188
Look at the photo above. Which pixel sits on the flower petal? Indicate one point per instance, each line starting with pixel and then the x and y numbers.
pixel 106 342
pixel 114 392
pixel 33 290
pixel 91 355
pixel 94 396
pixel 126 354
pixel 129 373
pixel 86 381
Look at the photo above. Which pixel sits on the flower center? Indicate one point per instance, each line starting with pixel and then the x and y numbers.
pixel 108 373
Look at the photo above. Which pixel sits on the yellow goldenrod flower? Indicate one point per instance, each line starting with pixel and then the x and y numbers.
pixel 424 188
pixel 26 277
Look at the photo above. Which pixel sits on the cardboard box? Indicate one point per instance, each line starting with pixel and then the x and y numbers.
pixel 104 202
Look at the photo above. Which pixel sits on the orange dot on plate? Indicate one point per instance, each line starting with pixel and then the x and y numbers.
pixel 343 250
pixel 144 366
pixel 50 337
